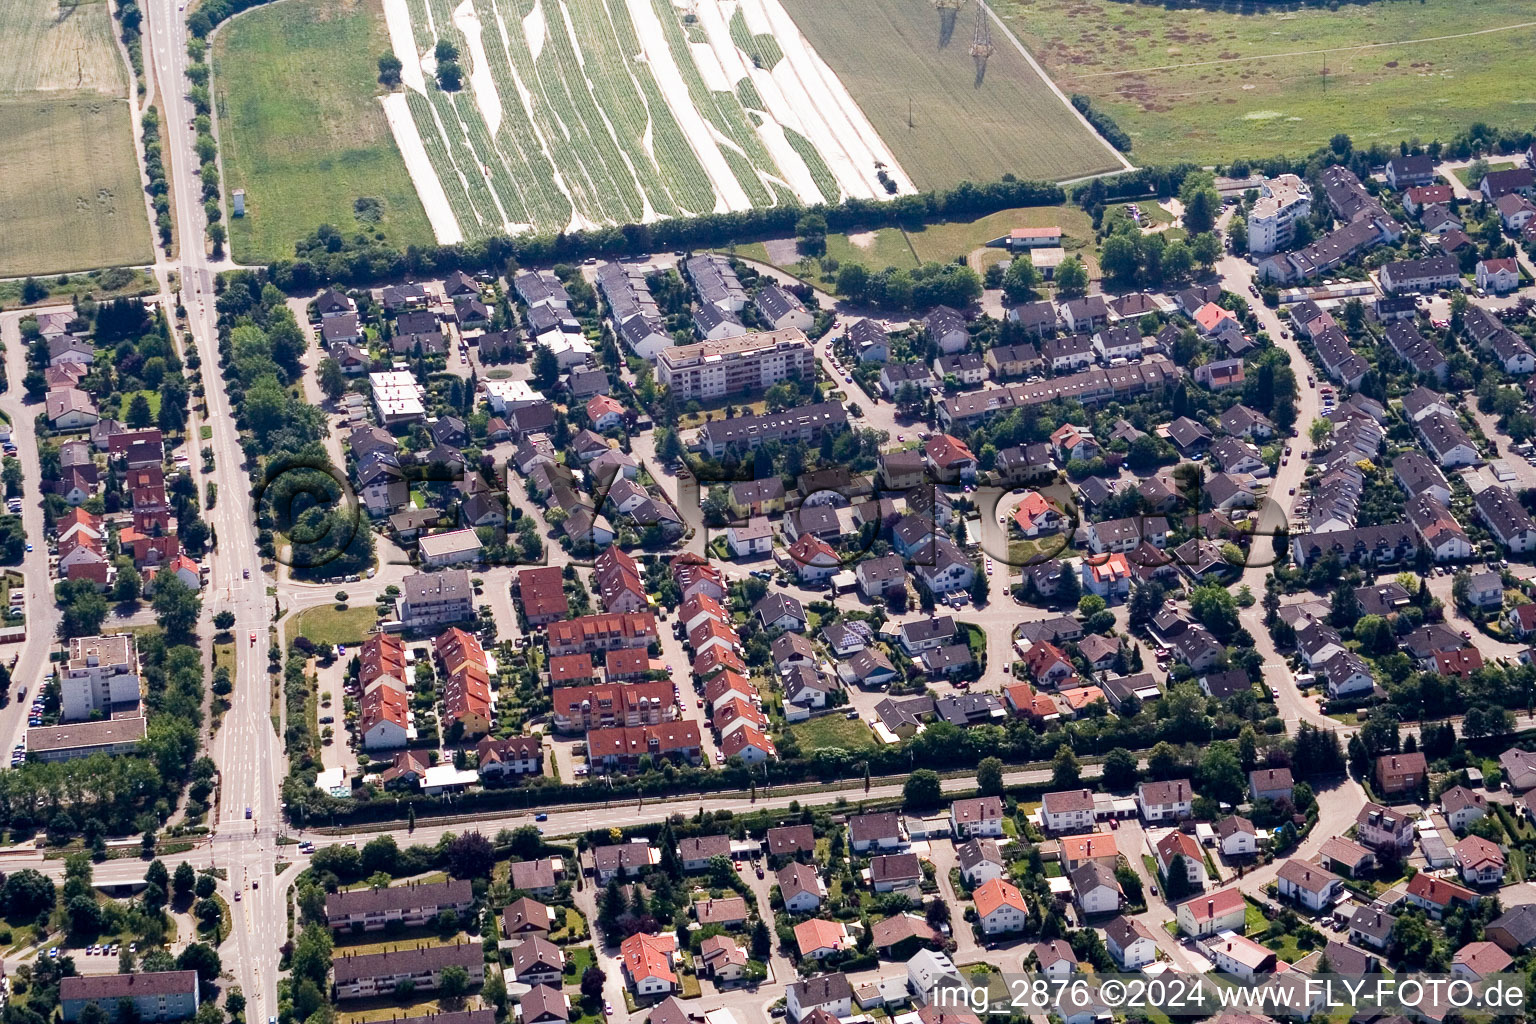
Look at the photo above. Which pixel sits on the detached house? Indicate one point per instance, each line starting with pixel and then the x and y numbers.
pixel 977 817
pixel 1308 885
pixel 1165 801
pixel 1401 773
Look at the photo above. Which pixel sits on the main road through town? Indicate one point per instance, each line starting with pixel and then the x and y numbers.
pixel 246 747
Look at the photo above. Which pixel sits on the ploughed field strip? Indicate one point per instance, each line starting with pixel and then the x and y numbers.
pixel 579 113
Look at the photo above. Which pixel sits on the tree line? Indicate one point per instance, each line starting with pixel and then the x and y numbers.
pixel 327 256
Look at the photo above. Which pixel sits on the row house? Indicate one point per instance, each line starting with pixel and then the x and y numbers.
pixel 411 906
pixel 367 975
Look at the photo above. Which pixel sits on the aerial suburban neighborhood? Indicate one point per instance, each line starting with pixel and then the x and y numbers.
pixel 598 516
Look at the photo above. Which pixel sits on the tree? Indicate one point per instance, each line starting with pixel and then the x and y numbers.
pixel 205 886
pixel 453 982
pixel 852 281
pixel 312 953
pixel 1020 280
pixel 922 790
pixel 450 77
pixel 27 892
pixel 1163 760
pixel 1178 259
pixel 129 585
pixel 1065 773
pixel 1177 882
pixel 989 776
pixel 139 414
pixel 762 940
pixel 1071 277
pixel 209 911
pixel 592 981
pixel 224 620
pixel 1146 601
pixel 33 291
pixel 811 235
pixel 183 880
pixel 1120 771
pixel 332 380
pixel 1120 257
pixel 177 606
pixel 1202 203
pixel 1130 884
pixel 546 368
pixel 202 958
pixel 470 856
pixel 82 608
pixel 390 67
pixel 1221 775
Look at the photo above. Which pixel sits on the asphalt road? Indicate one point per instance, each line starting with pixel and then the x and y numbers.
pixel 246 747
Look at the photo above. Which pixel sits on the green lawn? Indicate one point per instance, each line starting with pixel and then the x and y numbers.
pixel 152 397
pixel 1254 921
pixel 1206 83
pixel 1032 551
pixel 1497 165
pixel 832 731
pixel 328 625
pixel 895 247
pixel 301 129
pixel 388 1009
pixel 921 92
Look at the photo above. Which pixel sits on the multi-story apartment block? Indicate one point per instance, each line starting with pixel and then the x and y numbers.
pixel 435 599
pixel 752 362
pixel 155 996
pixel 102 673
pixel 582 708
pixel 1272 222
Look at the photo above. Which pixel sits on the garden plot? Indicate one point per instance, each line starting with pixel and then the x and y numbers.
pixel 579 113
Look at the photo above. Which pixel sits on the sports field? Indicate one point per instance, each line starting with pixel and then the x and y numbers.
pixel 1202 84
pixel 70 193
pixel 894 58
pixel 575 113
pixel 301 129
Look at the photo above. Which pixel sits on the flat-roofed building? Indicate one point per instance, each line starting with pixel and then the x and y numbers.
pixel 112 736
pixel 102 673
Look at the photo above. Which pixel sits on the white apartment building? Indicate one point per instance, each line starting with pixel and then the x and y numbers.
pixel 751 362
pixel 397 397
pixel 1272 221
pixel 102 671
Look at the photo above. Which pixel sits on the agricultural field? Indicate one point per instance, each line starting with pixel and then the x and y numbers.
pixel 301 129
pixel 70 193
pixel 576 113
pixel 904 57
pixel 1189 82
